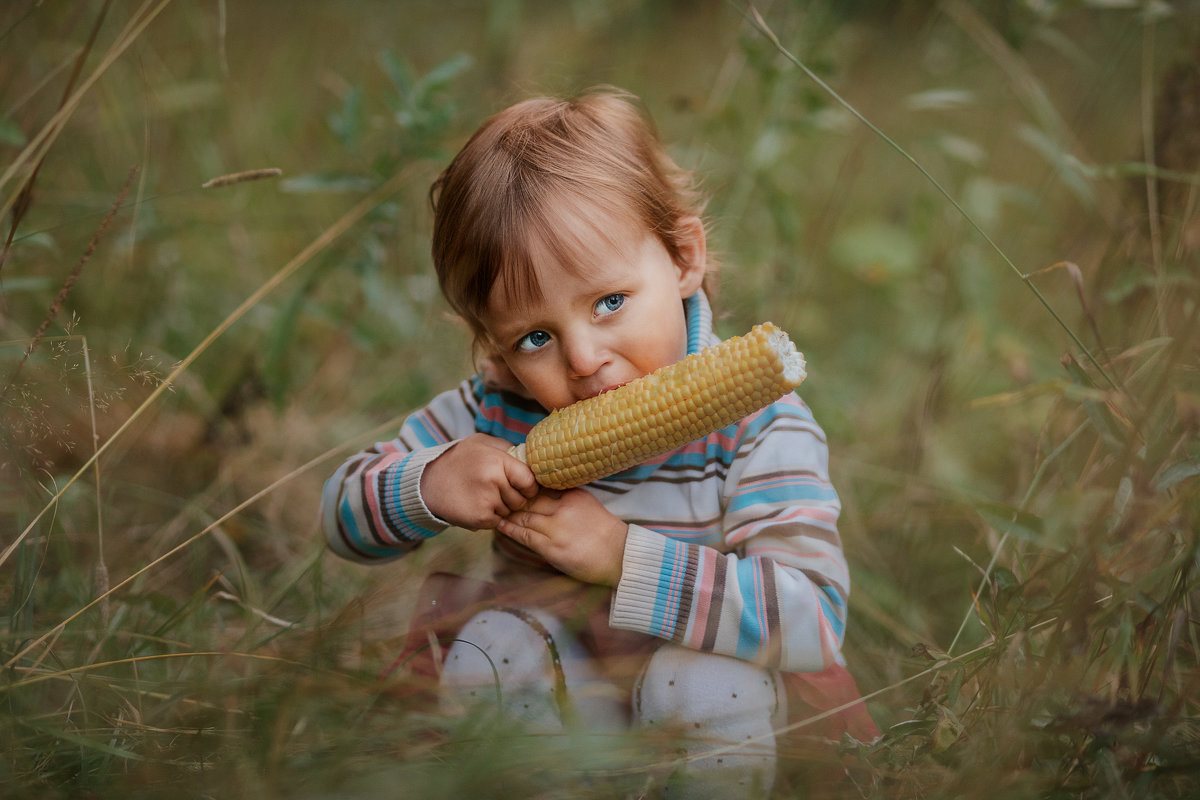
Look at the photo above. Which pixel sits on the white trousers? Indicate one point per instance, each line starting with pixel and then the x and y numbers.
pixel 724 710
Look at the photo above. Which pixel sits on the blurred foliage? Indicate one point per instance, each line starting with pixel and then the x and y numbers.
pixel 1021 491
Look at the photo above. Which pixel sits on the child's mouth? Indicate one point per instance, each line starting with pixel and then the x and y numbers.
pixel 608 389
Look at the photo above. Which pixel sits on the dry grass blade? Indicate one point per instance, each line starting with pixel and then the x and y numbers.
pixel 327 237
pixel 63 673
pixel 25 196
pixel 215 525
pixel 1076 274
pixel 41 143
pixel 757 20
pixel 241 177
pixel 69 283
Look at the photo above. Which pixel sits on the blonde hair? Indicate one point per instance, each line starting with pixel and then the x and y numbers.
pixel 501 200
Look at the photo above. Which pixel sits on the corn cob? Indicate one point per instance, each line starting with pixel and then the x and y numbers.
pixel 664 410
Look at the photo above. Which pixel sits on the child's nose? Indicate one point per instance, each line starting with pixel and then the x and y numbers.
pixel 585 356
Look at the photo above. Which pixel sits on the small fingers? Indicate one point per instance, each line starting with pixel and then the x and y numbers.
pixel 514 529
pixel 511 499
pixel 520 477
pixel 543 504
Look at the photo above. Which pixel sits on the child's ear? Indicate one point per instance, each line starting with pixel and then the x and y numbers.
pixel 693 255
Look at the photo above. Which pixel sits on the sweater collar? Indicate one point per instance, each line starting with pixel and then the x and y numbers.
pixel 698 317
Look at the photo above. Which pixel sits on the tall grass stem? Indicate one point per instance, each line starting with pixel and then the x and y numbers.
pixel 327 237
pixel 757 20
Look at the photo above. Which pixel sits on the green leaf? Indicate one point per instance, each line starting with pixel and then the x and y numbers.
pixel 83 741
pixel 347 123
pixel 1014 522
pixel 443 73
pixel 397 71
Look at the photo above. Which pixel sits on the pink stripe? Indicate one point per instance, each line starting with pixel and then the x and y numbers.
pixel 698 447
pixel 803 514
pixel 761 598
pixel 728 443
pixel 685 532
pixel 775 480
pixel 702 594
pixel 371 484
pixel 676 593
pixel 790 556
pixel 426 421
pixel 496 414
pixel 815 513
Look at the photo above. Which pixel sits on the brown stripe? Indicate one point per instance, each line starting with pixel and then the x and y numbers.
pixel 685 594
pixel 438 425
pixel 344 535
pixel 773 639
pixel 780 425
pixel 791 472
pixel 674 522
pixel 355 472
pixel 665 475
pixel 381 490
pixel 715 605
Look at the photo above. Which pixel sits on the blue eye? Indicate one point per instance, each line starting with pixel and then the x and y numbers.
pixel 532 341
pixel 610 303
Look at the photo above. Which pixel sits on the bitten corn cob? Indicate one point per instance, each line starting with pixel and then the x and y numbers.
pixel 664 410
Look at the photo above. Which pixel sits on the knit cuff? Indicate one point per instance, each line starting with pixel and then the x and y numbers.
pixel 412 509
pixel 641 601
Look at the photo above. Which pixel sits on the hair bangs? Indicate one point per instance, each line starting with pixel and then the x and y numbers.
pixel 561 227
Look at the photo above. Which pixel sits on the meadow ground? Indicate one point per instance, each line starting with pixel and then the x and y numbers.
pixel 979 220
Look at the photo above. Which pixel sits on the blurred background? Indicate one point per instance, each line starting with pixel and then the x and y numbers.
pixel 998 308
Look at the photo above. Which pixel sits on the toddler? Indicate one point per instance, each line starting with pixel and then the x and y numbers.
pixel 690 591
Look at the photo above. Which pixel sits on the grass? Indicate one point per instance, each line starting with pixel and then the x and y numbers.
pixel 998 306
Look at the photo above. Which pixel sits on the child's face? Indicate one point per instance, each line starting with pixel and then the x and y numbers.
pixel 600 326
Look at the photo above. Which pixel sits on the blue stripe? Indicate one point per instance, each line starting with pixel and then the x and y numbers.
pixel 796 492
pixel 750 630
pixel 395 508
pixel 662 598
pixel 709 534
pixel 350 525
pixel 511 411
pixel 775 411
pixel 691 308
pixel 830 601
pixel 713 452
pixel 488 400
pixel 422 430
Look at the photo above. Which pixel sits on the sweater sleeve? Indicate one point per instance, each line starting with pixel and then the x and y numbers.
pixel 371 507
pixel 775 593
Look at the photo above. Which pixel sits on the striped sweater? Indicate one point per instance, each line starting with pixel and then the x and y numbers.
pixel 732 547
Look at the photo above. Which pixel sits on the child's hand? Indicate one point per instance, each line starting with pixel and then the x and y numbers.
pixel 573 532
pixel 476 483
